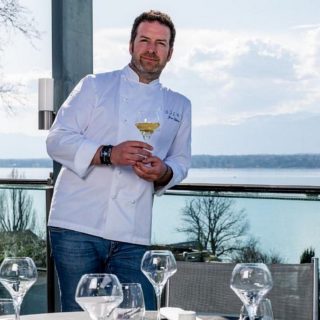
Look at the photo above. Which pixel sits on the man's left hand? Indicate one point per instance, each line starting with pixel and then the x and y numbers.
pixel 150 169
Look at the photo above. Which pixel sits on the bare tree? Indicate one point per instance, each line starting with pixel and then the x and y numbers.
pixel 14 18
pixel 16 209
pixel 251 252
pixel 214 224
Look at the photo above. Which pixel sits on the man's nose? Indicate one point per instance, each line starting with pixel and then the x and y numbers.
pixel 151 47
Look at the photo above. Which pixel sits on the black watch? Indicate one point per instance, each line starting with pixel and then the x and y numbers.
pixel 105 155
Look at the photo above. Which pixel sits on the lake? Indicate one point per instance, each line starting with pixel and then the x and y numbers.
pixel 286 227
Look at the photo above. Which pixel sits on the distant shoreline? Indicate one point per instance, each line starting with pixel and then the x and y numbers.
pixel 257 161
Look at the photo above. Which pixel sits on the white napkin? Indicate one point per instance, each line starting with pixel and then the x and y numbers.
pixel 178 314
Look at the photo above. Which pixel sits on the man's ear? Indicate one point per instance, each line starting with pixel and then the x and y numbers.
pixel 131 48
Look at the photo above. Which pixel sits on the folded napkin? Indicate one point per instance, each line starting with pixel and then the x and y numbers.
pixel 178 314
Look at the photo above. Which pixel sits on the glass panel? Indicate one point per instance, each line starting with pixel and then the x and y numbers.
pixel 279 226
pixel 23 233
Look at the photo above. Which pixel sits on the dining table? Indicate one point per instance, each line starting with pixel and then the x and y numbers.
pixel 82 315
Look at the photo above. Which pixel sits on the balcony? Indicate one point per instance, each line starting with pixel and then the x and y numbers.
pixel 283 220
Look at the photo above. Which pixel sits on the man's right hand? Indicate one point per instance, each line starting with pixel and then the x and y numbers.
pixel 128 153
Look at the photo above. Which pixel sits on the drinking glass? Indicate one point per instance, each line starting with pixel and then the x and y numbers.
pixel 147 122
pixel 99 294
pixel 132 305
pixel 264 311
pixel 158 266
pixel 7 310
pixel 251 282
pixel 17 275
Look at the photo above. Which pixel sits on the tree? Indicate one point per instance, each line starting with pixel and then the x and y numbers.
pixel 19 233
pixel 14 18
pixel 251 252
pixel 214 224
pixel 307 255
pixel 16 209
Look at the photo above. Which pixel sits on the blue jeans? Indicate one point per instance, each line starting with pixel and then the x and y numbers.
pixel 76 253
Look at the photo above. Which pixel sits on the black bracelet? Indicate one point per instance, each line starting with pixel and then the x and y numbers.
pixel 105 155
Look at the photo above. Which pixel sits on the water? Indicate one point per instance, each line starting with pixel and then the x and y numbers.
pixel 216 176
pixel 306 177
pixel 27 173
pixel 99 307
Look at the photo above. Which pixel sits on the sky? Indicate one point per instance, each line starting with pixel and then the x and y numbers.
pixel 251 69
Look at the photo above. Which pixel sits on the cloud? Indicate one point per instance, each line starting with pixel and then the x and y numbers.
pixel 230 76
pixel 264 60
pixel 111 49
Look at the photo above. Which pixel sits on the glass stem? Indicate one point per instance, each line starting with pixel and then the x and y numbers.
pixel 17 307
pixel 158 306
pixel 158 295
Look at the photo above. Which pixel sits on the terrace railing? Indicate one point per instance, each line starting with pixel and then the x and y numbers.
pixel 264 204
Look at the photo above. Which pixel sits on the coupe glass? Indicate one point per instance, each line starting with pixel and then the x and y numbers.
pixel 264 311
pixel 132 305
pixel 158 266
pixel 251 282
pixel 99 294
pixel 17 275
pixel 147 122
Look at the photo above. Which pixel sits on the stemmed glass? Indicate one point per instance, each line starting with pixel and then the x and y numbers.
pixel 158 266
pixel 147 122
pixel 17 275
pixel 251 282
pixel 99 294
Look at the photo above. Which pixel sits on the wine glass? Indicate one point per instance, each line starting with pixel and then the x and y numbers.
pixel 251 282
pixel 99 294
pixel 147 122
pixel 132 305
pixel 17 275
pixel 264 311
pixel 158 266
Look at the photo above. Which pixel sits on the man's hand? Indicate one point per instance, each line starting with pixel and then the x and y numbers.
pixel 151 169
pixel 130 152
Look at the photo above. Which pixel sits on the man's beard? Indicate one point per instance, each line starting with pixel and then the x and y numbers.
pixel 149 70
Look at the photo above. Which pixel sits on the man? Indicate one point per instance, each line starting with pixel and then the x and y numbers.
pixel 101 211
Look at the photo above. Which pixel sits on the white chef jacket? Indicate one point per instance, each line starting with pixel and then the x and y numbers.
pixel 112 202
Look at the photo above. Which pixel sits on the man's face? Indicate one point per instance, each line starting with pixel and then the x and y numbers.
pixel 150 50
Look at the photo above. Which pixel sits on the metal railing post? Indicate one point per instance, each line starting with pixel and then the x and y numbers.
pixel 315 288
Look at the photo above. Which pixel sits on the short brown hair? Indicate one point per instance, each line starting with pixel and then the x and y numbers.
pixel 151 16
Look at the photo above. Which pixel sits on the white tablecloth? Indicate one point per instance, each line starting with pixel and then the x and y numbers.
pixel 150 315
pixel 57 316
pixel 71 316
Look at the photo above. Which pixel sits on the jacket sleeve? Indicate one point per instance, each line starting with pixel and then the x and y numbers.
pixel 66 141
pixel 179 155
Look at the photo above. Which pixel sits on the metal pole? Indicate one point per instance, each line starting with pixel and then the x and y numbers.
pixel 72 59
pixel 315 288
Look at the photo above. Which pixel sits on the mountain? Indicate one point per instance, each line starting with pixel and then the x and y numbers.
pixel 21 146
pixel 281 134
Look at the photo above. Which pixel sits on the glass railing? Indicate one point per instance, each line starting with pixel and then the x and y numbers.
pixel 277 223
pixel 24 206
pixel 229 220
